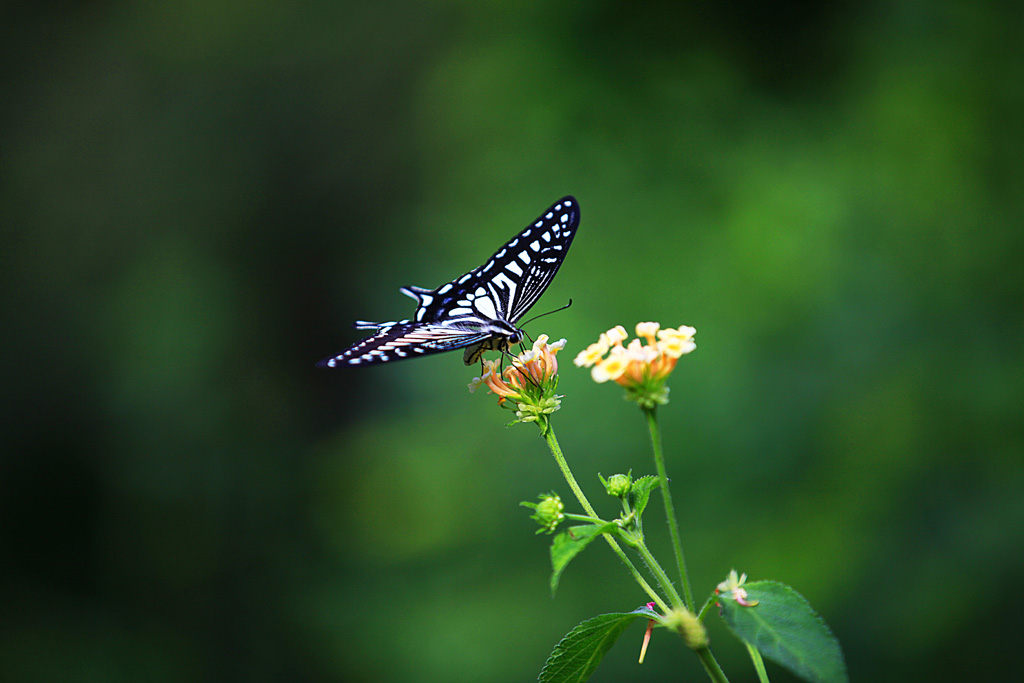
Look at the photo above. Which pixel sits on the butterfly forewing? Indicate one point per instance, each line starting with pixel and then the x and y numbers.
pixel 483 304
pixel 546 255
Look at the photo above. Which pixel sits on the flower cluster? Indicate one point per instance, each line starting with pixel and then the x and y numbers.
pixel 641 368
pixel 530 381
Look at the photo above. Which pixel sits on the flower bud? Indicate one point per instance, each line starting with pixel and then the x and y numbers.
pixel 548 512
pixel 619 485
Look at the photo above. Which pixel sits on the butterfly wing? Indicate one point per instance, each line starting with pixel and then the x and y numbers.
pixel 541 249
pixel 505 287
pixel 403 339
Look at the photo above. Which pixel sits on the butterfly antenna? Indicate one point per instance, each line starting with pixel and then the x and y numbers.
pixel 548 313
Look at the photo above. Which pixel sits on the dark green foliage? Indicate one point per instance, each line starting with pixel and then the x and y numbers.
pixel 197 200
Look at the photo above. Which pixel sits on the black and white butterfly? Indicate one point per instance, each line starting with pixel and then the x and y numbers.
pixel 477 311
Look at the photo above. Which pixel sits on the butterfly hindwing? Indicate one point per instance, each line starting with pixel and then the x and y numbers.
pixel 404 339
pixel 479 309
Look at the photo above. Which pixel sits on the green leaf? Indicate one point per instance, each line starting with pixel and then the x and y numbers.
pixel 569 544
pixel 577 655
pixel 641 492
pixel 786 630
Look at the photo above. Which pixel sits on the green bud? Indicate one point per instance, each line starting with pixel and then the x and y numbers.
pixel 548 512
pixel 618 485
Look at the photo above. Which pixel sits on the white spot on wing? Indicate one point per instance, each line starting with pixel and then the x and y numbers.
pixel 524 257
pixel 445 288
pixel 503 280
pixel 514 268
pixel 535 245
pixel 485 307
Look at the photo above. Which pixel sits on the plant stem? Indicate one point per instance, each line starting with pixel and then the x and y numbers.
pixel 666 495
pixel 711 665
pixel 704 610
pixel 659 573
pixel 755 657
pixel 584 518
pixel 549 436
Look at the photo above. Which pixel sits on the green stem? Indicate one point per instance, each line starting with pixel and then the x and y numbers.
pixel 704 610
pixel 755 657
pixel 549 436
pixel 666 495
pixel 659 573
pixel 711 665
pixel 584 518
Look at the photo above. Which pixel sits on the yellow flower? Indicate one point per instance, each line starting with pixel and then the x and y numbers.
pixel 615 336
pixel 647 331
pixel 611 367
pixel 642 368
pixel 592 354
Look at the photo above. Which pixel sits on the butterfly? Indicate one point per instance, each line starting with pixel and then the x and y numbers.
pixel 478 311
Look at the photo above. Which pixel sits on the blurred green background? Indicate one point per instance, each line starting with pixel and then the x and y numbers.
pixel 198 198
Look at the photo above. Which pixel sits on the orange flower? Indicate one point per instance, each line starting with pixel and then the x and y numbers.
pixel 530 381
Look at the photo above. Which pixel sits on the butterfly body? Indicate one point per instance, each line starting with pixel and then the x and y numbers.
pixel 479 310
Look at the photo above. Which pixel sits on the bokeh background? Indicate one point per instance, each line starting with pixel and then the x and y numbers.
pixel 198 198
